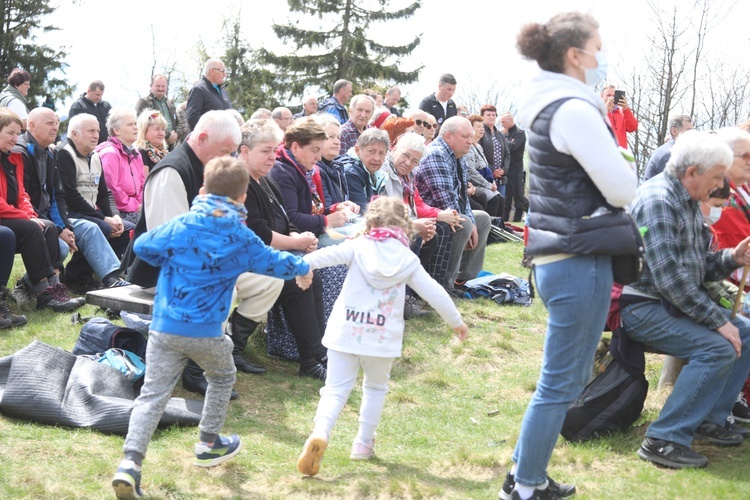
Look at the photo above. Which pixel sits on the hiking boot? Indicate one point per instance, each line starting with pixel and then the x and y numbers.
pixel 23 292
pixel 313 370
pixel 308 462
pixel 716 435
pixel 362 450
pixel 669 454
pixel 57 298
pixel 222 450
pixel 6 315
pixel 736 428
pixel 127 481
pixel 740 411
pixel 412 308
pixel 562 490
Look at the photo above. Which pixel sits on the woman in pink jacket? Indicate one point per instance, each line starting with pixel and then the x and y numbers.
pixel 122 164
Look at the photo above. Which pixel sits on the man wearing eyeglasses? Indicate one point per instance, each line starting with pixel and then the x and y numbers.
pixel 157 100
pixel 282 116
pixel 659 158
pixel 208 93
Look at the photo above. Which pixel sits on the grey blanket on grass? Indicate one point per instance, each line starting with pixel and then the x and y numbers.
pixel 49 385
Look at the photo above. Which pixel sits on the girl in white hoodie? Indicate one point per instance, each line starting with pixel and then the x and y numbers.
pixel 366 325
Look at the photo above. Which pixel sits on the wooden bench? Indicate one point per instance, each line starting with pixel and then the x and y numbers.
pixel 124 298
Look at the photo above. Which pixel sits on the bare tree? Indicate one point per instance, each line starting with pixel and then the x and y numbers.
pixel 502 97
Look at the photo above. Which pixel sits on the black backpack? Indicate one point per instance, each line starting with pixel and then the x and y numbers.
pixel 611 402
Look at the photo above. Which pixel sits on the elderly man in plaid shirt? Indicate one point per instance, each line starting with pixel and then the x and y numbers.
pixel 442 181
pixel 669 309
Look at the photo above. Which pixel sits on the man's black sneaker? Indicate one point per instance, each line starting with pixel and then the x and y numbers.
pixel 717 435
pixel 313 370
pixel 57 298
pixel 669 454
pixel 740 411
pixel 545 494
pixel 115 282
pixel 736 428
pixel 562 490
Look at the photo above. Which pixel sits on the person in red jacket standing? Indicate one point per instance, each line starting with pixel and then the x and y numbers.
pixel 620 116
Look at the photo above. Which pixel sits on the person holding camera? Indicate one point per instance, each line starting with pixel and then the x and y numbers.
pixel 620 115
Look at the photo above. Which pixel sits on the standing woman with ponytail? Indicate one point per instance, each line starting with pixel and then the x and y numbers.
pixel 575 169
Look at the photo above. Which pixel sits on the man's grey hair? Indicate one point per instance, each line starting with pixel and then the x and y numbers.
pixel 393 89
pixel 732 135
pixel 117 116
pixel 278 112
pixel 340 84
pixel 76 123
pixel 220 125
pixel 374 136
pixel 452 124
pixel 261 114
pixel 255 132
pixel 678 121
pixel 703 150
pixel 210 64
pixel 411 142
pixel 360 97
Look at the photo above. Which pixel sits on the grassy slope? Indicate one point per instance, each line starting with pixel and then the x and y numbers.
pixel 435 440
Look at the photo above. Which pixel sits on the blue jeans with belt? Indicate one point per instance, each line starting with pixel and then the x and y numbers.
pixel 708 385
pixel 576 292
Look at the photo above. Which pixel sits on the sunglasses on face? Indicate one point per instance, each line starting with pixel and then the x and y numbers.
pixel 426 125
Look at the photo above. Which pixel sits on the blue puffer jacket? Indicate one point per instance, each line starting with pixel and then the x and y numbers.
pixel 201 253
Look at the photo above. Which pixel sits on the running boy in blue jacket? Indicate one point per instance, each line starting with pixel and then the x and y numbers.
pixel 201 253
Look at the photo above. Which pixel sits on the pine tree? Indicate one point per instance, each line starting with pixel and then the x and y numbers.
pixel 350 55
pixel 20 22
pixel 249 85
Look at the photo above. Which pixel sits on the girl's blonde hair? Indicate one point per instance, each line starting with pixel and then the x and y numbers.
pixel 387 211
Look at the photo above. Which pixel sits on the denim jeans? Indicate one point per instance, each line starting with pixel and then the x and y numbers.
pixel 708 385
pixel 94 246
pixel 576 293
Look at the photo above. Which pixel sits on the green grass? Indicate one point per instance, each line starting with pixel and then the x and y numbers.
pixel 436 439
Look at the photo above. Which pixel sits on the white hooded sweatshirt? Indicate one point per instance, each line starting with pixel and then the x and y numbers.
pixel 368 316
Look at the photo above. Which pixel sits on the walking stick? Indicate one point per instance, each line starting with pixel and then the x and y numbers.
pixel 737 301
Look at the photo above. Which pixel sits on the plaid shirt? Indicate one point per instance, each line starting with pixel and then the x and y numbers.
pixel 678 259
pixel 437 179
pixel 349 136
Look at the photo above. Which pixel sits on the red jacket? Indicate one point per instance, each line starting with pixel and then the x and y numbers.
pixel 23 210
pixel 622 122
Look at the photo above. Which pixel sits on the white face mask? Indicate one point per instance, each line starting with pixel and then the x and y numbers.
pixel 595 76
pixel 714 214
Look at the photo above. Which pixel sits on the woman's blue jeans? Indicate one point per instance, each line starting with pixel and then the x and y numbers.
pixel 576 292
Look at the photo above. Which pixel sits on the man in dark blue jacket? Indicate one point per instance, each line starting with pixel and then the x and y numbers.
pixel 208 93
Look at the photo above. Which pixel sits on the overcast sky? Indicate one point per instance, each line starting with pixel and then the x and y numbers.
pixel 473 39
